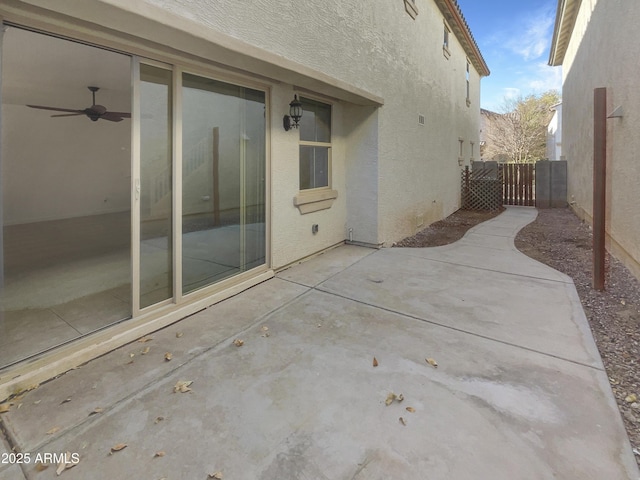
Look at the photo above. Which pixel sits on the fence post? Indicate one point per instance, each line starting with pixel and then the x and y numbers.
pixel 599 184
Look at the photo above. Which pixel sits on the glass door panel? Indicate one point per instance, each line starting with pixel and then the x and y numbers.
pixel 65 192
pixel 223 180
pixel 156 246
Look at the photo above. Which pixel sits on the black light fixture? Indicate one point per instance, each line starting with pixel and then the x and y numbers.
pixel 295 114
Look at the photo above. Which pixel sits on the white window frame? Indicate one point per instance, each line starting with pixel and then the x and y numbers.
pixel 310 200
pixel 468 77
pixel 446 41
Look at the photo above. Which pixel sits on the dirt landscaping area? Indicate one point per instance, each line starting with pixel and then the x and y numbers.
pixel 559 239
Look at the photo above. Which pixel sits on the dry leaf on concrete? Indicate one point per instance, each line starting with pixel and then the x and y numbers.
pixel 179 334
pixel 64 465
pixel 402 421
pixel 265 328
pixel 145 350
pixel 145 339
pixel 161 453
pixel 117 447
pixel 5 407
pixel 96 410
pixel 182 386
pixel 432 362
pixel 158 419
pixel 66 400
pixel 410 409
pixel 168 356
pixel 391 397
pixel 216 475
pixel 41 467
pixel 375 362
pixel 238 343
pixel 53 430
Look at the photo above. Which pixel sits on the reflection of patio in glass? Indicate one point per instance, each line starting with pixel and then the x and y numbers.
pixel 46 303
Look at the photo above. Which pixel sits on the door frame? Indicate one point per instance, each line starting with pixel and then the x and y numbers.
pixel 34 370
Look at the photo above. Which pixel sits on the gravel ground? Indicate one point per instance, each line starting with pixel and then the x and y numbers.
pixel 559 239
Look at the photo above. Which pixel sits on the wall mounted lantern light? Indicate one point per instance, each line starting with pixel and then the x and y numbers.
pixel 295 114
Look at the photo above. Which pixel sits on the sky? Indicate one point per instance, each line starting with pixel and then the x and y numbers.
pixel 514 37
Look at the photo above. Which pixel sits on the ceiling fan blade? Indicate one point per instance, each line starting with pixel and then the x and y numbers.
pixel 67 115
pixel 111 116
pixel 56 109
pixel 121 114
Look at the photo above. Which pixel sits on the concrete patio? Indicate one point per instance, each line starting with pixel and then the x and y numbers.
pixel 519 390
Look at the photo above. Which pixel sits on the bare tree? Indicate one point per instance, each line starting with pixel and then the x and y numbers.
pixel 519 133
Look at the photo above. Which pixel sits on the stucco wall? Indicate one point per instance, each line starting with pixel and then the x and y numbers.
pixel 377 47
pixel 392 175
pixel 602 53
pixel 291 235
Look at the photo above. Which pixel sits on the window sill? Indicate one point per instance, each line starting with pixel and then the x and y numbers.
pixel 446 52
pixel 410 7
pixel 309 201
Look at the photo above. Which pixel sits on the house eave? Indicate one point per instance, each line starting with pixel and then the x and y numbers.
pixel 566 14
pixel 458 24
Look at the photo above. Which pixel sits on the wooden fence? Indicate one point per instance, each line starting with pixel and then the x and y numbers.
pixel 518 180
pixel 481 189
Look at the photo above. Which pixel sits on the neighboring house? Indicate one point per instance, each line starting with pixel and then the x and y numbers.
pixel 554 134
pixel 487 121
pixel 175 184
pixel 596 45
pixel 488 130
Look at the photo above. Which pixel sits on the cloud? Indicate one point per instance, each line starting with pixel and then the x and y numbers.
pixel 546 78
pixel 531 39
pixel 510 93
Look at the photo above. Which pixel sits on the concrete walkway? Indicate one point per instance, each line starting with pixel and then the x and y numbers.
pixel 519 391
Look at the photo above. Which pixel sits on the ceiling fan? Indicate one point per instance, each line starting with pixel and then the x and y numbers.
pixel 94 112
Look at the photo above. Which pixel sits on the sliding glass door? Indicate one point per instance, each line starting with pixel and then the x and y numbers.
pixel 156 185
pixel 223 180
pixel 65 194
pixel 126 185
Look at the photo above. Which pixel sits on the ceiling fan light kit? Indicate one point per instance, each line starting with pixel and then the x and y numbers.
pixel 95 112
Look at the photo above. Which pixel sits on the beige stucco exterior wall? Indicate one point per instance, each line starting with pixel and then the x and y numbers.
pixel 603 53
pixel 379 48
pixel 393 176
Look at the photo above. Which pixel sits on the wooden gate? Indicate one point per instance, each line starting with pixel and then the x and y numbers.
pixel 518 180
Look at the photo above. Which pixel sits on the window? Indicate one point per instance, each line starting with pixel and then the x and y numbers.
pixel 468 78
pixel 445 42
pixel 315 144
pixel 473 144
